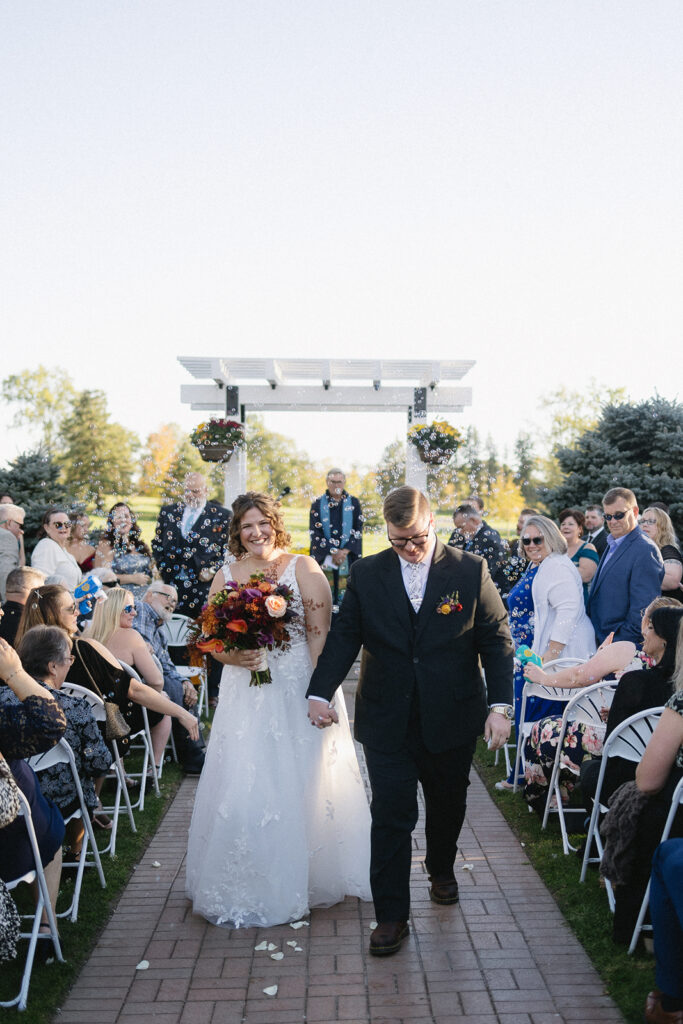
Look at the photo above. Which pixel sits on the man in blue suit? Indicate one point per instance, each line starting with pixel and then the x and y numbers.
pixel 630 573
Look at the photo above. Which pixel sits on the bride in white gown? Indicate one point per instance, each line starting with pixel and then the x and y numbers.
pixel 281 822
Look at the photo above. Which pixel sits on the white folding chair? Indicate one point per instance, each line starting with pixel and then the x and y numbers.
pixel 176 630
pixel 144 738
pixel 36 874
pixel 62 753
pixel 555 693
pixel 584 707
pixel 627 741
pixel 97 707
pixel 676 804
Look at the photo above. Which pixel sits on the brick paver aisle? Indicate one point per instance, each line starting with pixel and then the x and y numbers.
pixel 504 955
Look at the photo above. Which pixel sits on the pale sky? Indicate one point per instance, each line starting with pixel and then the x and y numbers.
pixel 497 181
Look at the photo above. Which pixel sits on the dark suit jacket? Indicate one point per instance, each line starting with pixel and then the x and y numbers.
pixel 624 587
pixel 431 659
pixel 180 559
pixel 599 542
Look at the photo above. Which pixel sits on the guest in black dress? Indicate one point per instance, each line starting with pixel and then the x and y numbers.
pixel 656 524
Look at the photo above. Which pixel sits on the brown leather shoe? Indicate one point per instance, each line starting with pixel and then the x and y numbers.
pixel 386 938
pixel 654 1014
pixel 443 891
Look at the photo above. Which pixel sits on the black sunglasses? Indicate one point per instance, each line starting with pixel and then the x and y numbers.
pixel 527 541
pixel 609 516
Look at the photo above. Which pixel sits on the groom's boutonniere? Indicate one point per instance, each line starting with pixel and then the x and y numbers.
pixel 449 603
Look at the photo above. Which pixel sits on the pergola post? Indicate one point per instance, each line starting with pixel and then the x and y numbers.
pixel 416 469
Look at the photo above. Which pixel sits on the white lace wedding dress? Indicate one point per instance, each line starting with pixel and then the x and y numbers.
pixel 281 822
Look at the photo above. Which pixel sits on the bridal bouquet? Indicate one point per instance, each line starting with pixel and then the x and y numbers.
pixel 249 616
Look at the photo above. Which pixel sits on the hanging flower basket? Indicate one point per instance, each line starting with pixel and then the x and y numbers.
pixel 217 440
pixel 436 442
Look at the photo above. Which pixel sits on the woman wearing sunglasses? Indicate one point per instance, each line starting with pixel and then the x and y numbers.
pixel 50 554
pixel 657 525
pixel 95 667
pixel 550 598
pixel 112 626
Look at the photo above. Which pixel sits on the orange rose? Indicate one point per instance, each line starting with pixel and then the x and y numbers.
pixel 276 606
pixel 264 587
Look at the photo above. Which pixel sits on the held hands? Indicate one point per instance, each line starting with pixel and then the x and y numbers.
pixel 496 730
pixel 320 714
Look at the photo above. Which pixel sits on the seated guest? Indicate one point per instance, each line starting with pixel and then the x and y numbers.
pixel 630 573
pixel 78 544
pixel 665 1004
pixel 30 726
pixel 584 556
pixel 656 524
pixel 50 554
pixel 639 811
pixel 45 653
pixel 637 691
pixel 19 583
pixel 11 542
pixel 481 539
pixel 112 626
pixel 95 667
pixel 156 608
pixel 123 550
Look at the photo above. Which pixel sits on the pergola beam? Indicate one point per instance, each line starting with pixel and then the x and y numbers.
pixel 308 398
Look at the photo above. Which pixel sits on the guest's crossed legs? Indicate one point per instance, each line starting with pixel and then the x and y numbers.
pixel 394 777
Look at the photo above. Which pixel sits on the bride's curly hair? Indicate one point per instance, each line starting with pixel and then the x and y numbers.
pixel 269 508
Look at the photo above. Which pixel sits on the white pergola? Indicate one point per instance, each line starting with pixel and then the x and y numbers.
pixel 416 387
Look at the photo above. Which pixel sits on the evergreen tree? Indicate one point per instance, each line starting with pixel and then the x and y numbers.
pixel 33 480
pixel 636 445
pixel 391 468
pixel 98 456
pixel 525 466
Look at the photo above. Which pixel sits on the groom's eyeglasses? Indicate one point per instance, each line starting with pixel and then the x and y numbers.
pixel 418 541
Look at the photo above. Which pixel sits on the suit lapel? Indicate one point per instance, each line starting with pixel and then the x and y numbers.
pixel 392 579
pixel 604 570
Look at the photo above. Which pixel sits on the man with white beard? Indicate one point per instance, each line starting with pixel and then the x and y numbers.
pixel 156 608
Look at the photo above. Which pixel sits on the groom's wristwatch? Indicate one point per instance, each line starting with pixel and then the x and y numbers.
pixel 503 709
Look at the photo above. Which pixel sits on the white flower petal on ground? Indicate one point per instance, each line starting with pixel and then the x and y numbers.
pixel 277 956
pixel 143 965
pixel 468 867
pixel 261 945
pixel 271 945
pixel 271 990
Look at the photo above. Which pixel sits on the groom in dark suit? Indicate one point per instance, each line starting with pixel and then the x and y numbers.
pixel 425 615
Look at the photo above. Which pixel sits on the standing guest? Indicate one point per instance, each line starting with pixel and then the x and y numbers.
pixel 123 550
pixel 665 1004
pixel 77 544
pixel 336 530
pixel 11 548
pixel 457 538
pixel 156 608
pixel 630 573
pixel 596 534
pixel 517 564
pixel 656 524
pixel 189 543
pixel 50 554
pixel 427 616
pixel 482 539
pixel 19 582
pixel 584 555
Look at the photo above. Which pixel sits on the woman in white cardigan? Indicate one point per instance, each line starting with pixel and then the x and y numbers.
pixel 561 627
pixel 50 554
pixel 561 630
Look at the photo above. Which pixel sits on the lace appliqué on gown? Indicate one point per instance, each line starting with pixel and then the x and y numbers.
pixel 281 822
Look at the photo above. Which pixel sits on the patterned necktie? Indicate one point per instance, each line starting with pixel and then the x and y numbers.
pixel 415 584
